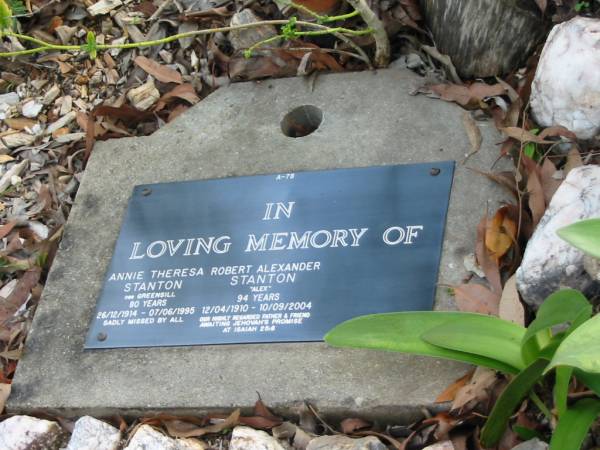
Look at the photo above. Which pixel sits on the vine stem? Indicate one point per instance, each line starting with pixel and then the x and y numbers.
pixel 320 30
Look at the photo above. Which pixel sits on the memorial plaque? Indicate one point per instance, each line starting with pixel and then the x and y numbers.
pixel 272 258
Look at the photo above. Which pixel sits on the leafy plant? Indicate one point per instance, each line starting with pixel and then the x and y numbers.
pixel 585 235
pixel 562 340
pixel 290 29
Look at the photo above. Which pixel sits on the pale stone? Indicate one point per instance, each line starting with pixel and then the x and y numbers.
pixel 566 87
pixel 245 438
pixel 144 96
pixel 51 95
pixel 245 38
pixel 532 444
pixel 10 98
pixel 93 434
pixel 147 438
pixel 63 121
pixel 32 108
pixel 550 262
pixel 16 140
pixel 65 33
pixel 341 442
pixel 27 433
pixel 103 7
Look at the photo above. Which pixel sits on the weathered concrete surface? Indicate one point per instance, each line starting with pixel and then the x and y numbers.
pixel 369 119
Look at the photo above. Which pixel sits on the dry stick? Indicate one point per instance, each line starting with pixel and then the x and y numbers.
pixel 382 42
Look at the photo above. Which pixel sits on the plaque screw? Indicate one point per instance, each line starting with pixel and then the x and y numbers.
pixel 434 172
pixel 146 192
pixel 101 336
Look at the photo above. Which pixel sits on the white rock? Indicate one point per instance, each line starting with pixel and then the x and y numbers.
pixel 103 7
pixel 10 98
pixel 549 262
pixel 245 38
pixel 532 444
pixel 16 140
pixel 566 87
pixel 64 120
pixel 144 96
pixel 51 94
pixel 246 438
pixel 25 433
pixel 32 108
pixel 93 434
pixel 147 438
pixel 341 442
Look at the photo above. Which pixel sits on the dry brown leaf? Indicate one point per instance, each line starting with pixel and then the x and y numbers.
pixel 510 307
pixel 158 71
pixel 320 6
pixel 476 298
pixel 184 429
pixel 16 299
pixel 470 95
pixel 478 390
pixel 573 160
pixel 542 4
pixel 548 180
pixel 350 426
pixel 449 394
pixel 524 136
pixel 557 131
pixel 536 200
pixel 500 233
pixel 487 262
pixel 4 393
pixel 473 132
pixel 183 91
pixel 7 228
pixel 20 123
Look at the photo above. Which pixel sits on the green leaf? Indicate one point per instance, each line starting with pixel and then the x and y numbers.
pixel 567 305
pixel 585 235
pixel 91 46
pixel 6 20
pixel 573 426
pixel 581 349
pixel 509 400
pixel 400 332
pixel 561 388
pixel 526 434
pixel 481 335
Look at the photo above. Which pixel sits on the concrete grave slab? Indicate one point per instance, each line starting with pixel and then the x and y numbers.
pixel 368 119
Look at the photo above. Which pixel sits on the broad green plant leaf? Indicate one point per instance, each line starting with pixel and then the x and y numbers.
pixel 401 332
pixel 567 305
pixel 580 349
pixel 561 388
pixel 585 235
pixel 573 426
pixel 6 20
pixel 481 335
pixel 509 400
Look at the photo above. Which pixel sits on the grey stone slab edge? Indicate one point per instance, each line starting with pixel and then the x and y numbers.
pixel 369 119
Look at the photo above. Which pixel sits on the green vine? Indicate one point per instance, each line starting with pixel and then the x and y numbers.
pixel 290 29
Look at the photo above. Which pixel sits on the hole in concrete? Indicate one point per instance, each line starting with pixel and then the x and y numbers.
pixel 301 121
